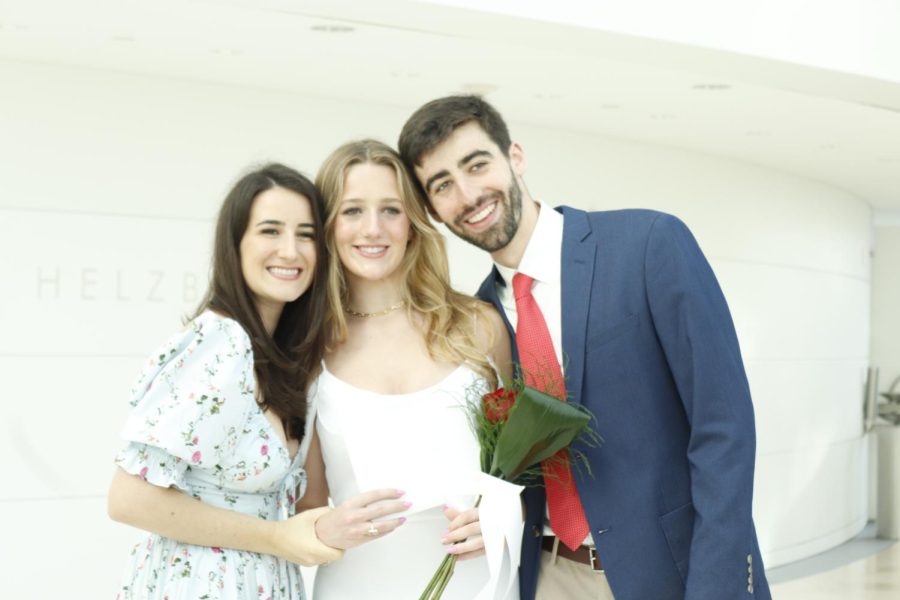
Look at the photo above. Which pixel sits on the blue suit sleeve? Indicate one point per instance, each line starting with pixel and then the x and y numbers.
pixel 695 329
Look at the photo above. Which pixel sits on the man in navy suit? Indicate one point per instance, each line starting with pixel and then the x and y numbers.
pixel 646 341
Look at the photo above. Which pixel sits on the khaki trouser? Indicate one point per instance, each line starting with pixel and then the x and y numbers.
pixel 563 578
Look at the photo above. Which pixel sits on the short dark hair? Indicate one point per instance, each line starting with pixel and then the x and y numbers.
pixel 286 360
pixel 435 121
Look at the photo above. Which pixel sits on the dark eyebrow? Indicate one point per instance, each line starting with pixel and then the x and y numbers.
pixel 434 178
pixel 281 223
pixel 468 157
pixel 460 163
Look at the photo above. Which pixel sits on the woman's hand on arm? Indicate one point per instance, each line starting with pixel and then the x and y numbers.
pixel 348 524
pixel 175 515
pixel 351 523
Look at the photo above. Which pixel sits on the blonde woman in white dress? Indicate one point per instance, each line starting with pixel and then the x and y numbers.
pixel 405 352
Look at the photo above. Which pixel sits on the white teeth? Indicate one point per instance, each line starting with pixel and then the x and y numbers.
pixel 372 249
pixel 284 272
pixel 482 214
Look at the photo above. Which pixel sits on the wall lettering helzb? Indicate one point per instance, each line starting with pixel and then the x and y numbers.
pixel 92 284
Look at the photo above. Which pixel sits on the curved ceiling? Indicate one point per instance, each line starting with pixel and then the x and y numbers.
pixel 838 128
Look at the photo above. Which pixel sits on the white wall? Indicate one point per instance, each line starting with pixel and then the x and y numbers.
pixel 885 300
pixel 109 186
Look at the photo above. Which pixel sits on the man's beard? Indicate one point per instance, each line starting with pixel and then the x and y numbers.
pixel 500 233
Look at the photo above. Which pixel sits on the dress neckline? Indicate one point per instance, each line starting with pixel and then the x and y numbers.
pixel 426 389
pixel 273 434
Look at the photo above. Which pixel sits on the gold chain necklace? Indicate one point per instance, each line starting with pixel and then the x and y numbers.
pixel 379 313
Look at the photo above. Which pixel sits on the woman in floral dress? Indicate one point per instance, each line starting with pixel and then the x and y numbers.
pixel 219 431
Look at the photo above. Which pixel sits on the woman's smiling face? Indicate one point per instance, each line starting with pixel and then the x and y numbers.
pixel 371 229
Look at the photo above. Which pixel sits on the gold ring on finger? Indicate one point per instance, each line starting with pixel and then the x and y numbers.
pixel 372 530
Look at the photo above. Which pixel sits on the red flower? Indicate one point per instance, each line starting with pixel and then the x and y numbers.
pixel 264 450
pixel 196 457
pixel 143 473
pixel 497 404
pixel 217 550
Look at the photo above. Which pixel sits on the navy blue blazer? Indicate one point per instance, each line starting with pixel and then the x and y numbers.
pixel 650 348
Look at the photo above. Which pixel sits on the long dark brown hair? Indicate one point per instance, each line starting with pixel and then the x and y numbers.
pixel 285 361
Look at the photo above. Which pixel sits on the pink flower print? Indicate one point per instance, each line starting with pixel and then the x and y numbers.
pixel 216 549
pixel 143 473
pixel 260 590
pixel 264 449
pixel 196 457
pixel 195 440
pixel 290 498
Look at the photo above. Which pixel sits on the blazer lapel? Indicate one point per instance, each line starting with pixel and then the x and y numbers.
pixel 577 275
pixel 488 293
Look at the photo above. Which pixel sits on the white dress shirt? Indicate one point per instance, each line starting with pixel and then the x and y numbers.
pixel 542 261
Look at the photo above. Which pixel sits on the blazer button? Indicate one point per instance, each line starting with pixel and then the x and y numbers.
pixel 749 559
pixel 535 531
pixel 750 588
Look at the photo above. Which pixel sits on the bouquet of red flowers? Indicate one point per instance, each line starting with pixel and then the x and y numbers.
pixel 517 429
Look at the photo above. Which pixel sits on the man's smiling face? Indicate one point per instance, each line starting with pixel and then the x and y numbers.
pixel 472 187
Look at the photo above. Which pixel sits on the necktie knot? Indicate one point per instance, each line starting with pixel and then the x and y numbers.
pixel 521 285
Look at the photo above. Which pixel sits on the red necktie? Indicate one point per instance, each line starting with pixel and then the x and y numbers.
pixel 541 371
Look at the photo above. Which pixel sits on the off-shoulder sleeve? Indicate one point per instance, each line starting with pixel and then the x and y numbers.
pixel 190 403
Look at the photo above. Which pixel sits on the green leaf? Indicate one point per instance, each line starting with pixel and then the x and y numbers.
pixel 539 426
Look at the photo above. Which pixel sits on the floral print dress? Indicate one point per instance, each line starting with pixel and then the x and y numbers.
pixel 195 425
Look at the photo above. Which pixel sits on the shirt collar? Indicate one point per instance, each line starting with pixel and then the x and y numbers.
pixel 542 256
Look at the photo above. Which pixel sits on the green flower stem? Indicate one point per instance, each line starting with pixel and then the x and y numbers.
pixel 435 588
pixel 439 581
pixel 451 564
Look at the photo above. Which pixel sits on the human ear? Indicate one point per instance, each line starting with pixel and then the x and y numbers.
pixel 517 159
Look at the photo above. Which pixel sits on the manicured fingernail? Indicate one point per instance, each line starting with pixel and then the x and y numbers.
pixel 400 492
pixel 402 520
pixel 445 507
pixel 451 550
pixel 407 504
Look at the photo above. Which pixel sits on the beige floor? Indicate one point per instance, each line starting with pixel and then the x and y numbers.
pixel 874 578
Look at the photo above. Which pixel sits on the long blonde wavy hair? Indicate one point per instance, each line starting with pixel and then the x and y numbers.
pixel 451 319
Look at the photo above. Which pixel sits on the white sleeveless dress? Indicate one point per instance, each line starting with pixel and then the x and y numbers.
pixel 358 429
